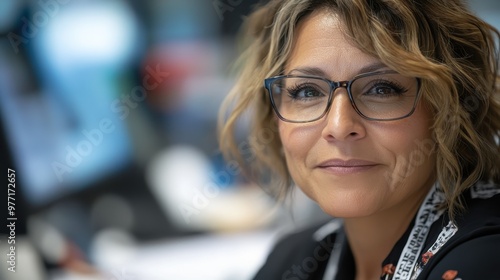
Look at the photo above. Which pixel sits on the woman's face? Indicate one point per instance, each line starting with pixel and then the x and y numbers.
pixel 353 167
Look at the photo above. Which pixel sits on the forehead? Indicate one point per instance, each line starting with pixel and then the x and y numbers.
pixel 321 42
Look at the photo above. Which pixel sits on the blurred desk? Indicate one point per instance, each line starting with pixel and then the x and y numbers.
pixel 231 256
pixel 235 256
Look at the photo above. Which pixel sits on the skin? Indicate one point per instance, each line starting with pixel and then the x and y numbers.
pixel 381 198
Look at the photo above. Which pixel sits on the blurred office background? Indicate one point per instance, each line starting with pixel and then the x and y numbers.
pixel 108 116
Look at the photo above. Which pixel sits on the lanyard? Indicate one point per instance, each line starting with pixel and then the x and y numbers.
pixel 428 213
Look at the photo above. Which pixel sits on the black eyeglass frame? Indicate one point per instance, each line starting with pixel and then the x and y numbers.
pixel 333 86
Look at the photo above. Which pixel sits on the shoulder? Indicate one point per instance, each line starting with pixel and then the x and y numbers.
pixel 474 250
pixel 477 258
pixel 309 247
pixel 482 204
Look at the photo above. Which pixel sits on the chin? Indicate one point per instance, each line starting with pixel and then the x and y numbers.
pixel 348 205
pixel 346 212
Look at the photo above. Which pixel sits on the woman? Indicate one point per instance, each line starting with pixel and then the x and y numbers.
pixel 387 114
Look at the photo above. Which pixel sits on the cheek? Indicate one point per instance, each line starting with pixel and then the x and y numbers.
pixel 297 141
pixel 412 163
pixel 412 148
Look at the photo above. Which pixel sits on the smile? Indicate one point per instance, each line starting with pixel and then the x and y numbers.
pixel 341 167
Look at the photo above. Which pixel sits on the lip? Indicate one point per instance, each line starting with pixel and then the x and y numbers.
pixel 340 166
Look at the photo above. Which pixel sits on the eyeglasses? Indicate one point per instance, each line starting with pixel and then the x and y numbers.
pixel 380 96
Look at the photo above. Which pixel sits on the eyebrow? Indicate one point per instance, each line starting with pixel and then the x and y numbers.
pixel 315 71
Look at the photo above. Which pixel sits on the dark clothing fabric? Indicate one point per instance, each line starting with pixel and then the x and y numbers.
pixel 467 249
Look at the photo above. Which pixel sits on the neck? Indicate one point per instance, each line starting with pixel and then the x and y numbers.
pixel 372 238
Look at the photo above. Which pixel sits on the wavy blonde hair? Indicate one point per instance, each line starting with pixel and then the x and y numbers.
pixel 452 51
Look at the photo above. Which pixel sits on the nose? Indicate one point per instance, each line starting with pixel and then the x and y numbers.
pixel 342 122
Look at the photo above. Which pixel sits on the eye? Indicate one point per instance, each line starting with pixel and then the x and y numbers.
pixel 385 89
pixel 304 91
